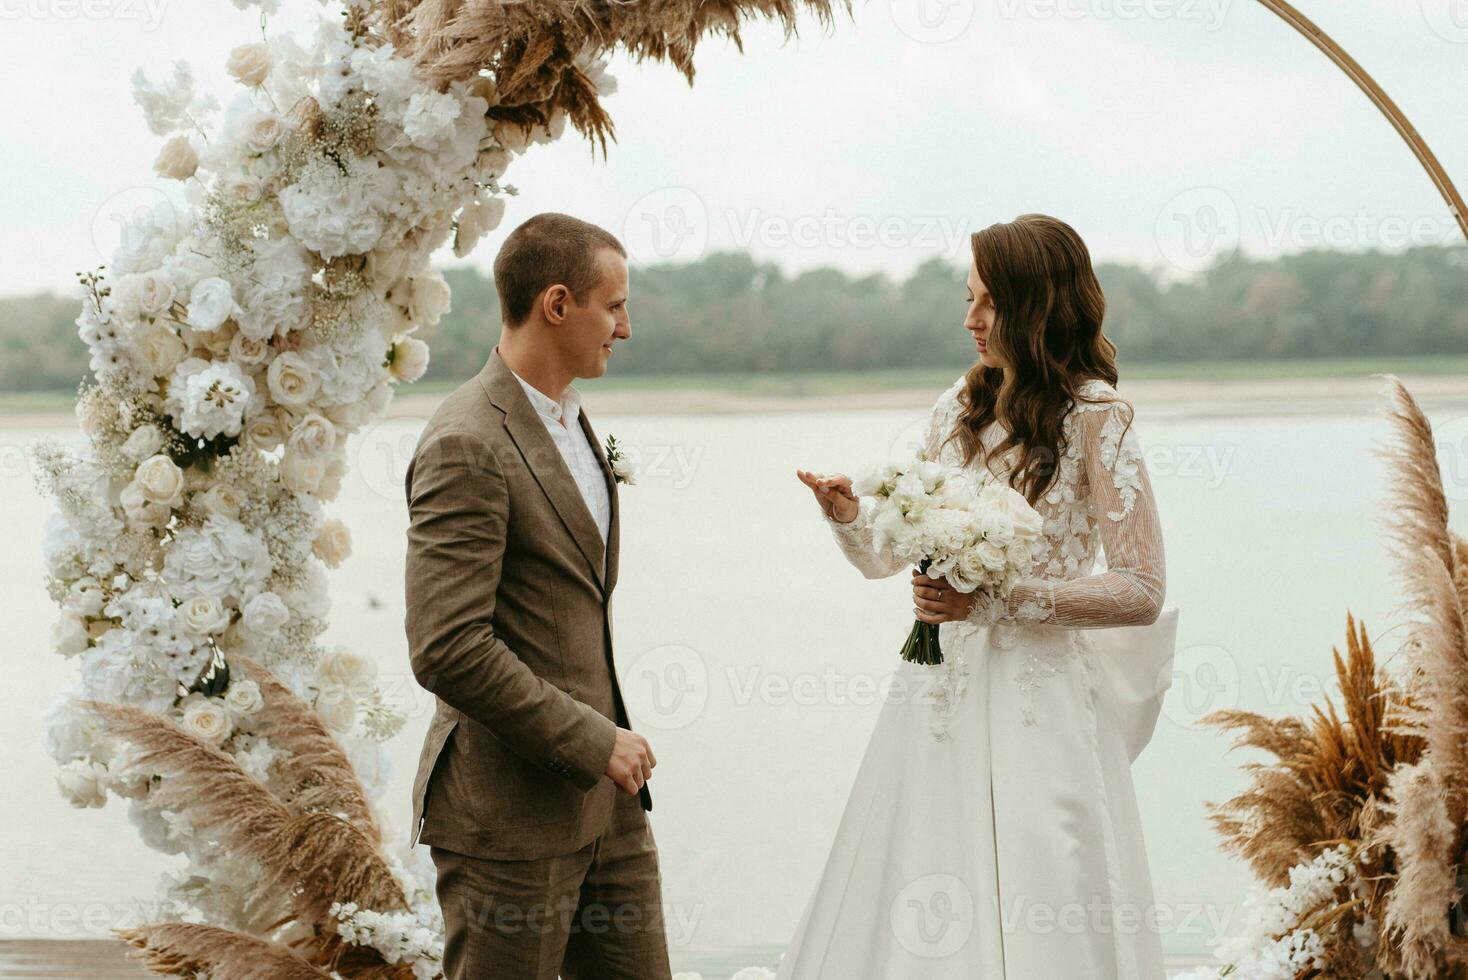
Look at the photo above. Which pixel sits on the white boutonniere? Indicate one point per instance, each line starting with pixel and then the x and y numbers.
pixel 622 469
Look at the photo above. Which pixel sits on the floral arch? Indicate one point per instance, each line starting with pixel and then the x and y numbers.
pixel 236 344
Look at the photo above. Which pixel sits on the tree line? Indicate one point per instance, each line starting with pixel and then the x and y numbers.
pixel 729 312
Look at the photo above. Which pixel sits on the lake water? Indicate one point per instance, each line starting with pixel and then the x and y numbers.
pixel 743 640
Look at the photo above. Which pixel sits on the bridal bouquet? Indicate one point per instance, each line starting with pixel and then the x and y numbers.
pixel 937 517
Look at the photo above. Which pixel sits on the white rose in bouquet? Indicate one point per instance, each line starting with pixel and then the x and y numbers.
pixel 409 359
pixel 204 614
pixel 249 64
pixel 265 614
pixel 211 303
pixel 314 435
pixel 207 718
pixel 337 708
pixel 293 381
pixel 141 294
pixel 143 442
pixel 333 544
pixel 221 500
pixel 178 160
pixel 344 666
pixel 141 511
pixel 160 480
pixel 300 472
pixel 69 634
pixel 243 698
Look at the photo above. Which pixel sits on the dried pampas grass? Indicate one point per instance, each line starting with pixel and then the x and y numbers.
pixel 181 949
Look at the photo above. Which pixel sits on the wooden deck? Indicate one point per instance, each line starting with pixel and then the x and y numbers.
pixel 100 959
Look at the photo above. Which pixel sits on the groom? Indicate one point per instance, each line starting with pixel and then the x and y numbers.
pixel 531 787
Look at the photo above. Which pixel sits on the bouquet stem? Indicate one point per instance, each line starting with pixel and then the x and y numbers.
pixel 922 643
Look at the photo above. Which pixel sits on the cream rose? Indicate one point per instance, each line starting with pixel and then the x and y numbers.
pixel 409 359
pixel 300 472
pixel 243 698
pixel 221 499
pixel 144 294
pixel 160 480
pixel 314 435
pixel 334 543
pixel 205 614
pixel 178 160
pixel 262 131
pixel 157 348
pixel 337 708
pixel 208 719
pixel 264 432
pixel 249 64
pixel 429 298
pixel 266 613
pixel 344 666
pixel 292 380
pixel 246 350
pixel 143 442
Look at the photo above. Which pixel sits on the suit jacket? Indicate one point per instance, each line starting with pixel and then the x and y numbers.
pixel 508 621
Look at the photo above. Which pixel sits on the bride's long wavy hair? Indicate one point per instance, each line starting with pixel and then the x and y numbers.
pixel 1048 308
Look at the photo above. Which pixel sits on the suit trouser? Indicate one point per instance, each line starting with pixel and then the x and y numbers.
pixel 592 914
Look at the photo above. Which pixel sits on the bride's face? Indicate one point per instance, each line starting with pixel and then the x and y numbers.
pixel 980 320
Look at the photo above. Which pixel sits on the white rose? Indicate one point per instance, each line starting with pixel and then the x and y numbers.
pixel 266 613
pixel 243 698
pixel 221 499
pixel 300 472
pixel 429 298
pixel 139 510
pixel 249 64
pixel 262 131
pixel 247 350
pixel 157 349
pixel 207 719
pixel 344 666
pixel 204 614
pixel 409 359
pixel 334 543
pixel 314 435
pixel 350 416
pixel 83 783
pixel 144 294
pixel 210 304
pixel 160 480
pixel 264 432
pixel 624 469
pixel 292 380
pixel 244 188
pixel 178 159
pixel 337 708
pixel 144 441
pixel 69 634
pixel 84 597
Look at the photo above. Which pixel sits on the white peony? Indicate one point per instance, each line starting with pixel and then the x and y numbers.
pixel 141 294
pixel 83 783
pixel 208 399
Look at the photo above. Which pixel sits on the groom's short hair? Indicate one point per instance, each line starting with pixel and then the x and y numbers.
pixel 546 249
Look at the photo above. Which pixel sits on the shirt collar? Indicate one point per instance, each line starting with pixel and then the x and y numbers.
pixel 567 409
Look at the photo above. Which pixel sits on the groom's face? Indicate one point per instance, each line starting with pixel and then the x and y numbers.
pixel 592 327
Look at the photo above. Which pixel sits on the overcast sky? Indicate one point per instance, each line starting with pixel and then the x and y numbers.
pixel 1166 131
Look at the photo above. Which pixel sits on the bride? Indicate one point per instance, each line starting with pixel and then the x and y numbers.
pixel 993 831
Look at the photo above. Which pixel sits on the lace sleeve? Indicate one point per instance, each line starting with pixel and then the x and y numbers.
pixel 1130 591
pixel 855 537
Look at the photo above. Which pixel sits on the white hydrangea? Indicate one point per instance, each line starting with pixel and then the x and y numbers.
pixel 222 558
pixel 334 213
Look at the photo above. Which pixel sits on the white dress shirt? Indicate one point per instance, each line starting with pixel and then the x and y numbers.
pixel 563 421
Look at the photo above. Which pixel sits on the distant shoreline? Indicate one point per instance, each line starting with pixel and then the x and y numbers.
pixel 1221 393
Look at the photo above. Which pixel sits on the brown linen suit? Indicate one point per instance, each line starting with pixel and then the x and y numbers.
pixel 508 623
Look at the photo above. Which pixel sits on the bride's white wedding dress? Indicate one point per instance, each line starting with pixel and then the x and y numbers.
pixel 992 832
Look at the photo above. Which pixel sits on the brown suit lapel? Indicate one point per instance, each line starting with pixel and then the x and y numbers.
pixel 544 460
pixel 613 533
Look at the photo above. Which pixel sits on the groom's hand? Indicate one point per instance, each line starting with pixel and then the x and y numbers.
pixel 632 761
pixel 935 600
pixel 833 493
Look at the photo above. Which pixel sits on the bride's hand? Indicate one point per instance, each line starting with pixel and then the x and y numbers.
pixel 935 600
pixel 833 493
